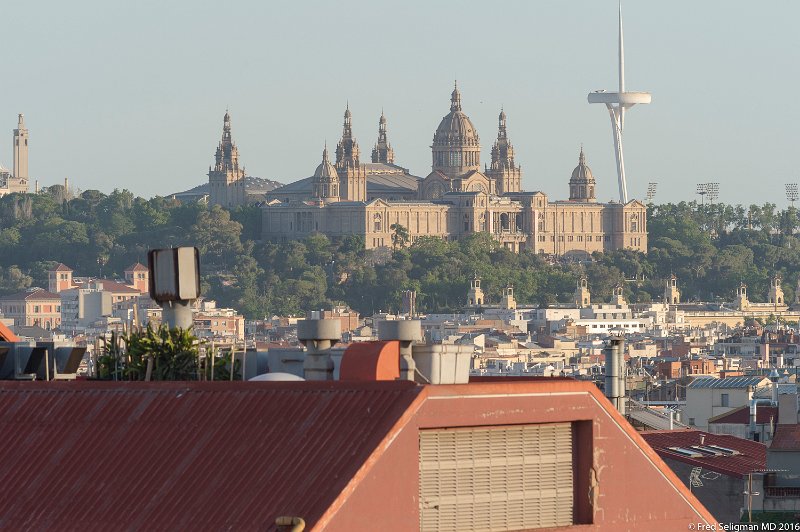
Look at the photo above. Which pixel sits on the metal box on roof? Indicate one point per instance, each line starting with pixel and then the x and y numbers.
pixel 443 364
pixel 174 274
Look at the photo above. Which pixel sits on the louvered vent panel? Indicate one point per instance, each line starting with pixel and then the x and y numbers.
pixel 498 478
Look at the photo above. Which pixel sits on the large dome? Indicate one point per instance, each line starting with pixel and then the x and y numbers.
pixel 456 149
pixel 456 128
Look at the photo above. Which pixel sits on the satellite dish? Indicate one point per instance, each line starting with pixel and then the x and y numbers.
pixel 275 377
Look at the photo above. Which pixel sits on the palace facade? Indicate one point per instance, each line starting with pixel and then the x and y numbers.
pixel 457 198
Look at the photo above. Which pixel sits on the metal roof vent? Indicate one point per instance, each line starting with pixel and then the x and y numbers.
pixel 318 336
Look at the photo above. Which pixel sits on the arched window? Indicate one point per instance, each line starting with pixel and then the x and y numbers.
pixel 504 222
pixel 377 222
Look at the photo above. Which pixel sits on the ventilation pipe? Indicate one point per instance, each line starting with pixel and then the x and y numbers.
pixel 615 372
pixel 406 332
pixel 287 523
pixel 318 336
pixel 773 377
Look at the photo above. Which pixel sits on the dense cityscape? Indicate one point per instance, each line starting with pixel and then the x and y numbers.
pixel 355 347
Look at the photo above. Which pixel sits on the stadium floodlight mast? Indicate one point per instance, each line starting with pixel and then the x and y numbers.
pixel 702 190
pixel 791 192
pixel 617 103
pixel 712 189
pixel 651 191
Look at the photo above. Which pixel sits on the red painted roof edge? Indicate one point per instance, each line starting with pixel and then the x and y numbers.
pixel 373 458
pixel 7 335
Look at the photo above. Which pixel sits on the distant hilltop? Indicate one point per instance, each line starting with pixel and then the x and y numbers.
pixel 255 188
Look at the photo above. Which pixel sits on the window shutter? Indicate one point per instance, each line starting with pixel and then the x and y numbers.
pixel 496 478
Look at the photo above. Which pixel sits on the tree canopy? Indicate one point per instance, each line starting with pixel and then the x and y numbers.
pixel 710 248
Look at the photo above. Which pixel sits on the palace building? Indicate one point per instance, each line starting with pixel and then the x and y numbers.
pixel 457 198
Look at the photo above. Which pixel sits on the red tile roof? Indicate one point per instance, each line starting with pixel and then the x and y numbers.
pixel 741 416
pixel 786 438
pixel 753 455
pixel 185 455
pixel 61 267
pixel 113 286
pixel 35 294
pixel 138 267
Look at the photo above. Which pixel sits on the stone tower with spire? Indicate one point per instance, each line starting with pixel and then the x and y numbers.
pixel 582 183
pixel 382 152
pixel 226 179
pixel 326 183
pixel 505 173
pixel 18 180
pixel 352 175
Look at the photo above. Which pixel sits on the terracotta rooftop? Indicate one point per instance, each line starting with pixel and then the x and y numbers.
pixel 138 267
pixel 34 294
pixel 752 455
pixel 741 416
pixel 254 459
pixel 112 286
pixel 235 455
pixel 61 267
pixel 786 438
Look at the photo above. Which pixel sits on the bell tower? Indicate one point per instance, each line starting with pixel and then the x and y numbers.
pixel 742 303
pixel 776 291
pixel 509 303
pixel 672 296
pixel 583 298
pixel 619 295
pixel 475 294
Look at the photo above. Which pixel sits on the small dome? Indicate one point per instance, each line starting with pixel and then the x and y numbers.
pixel 582 172
pixel 502 114
pixel 326 170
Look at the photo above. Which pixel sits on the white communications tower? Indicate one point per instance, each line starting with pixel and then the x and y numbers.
pixel 623 100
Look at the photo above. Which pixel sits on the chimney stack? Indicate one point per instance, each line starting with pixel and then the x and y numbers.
pixel 318 336
pixel 615 372
pixel 406 332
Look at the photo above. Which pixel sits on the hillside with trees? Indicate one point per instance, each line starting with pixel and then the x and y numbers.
pixel 711 248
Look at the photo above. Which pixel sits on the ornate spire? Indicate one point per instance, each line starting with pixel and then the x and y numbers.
pixel 382 152
pixel 21 121
pixel 347 151
pixel 227 155
pixel 501 128
pixel 455 99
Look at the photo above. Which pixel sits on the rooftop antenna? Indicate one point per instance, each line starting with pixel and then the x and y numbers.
pixel 617 103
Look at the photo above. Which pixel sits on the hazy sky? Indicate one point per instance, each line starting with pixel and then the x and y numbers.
pixel 121 94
